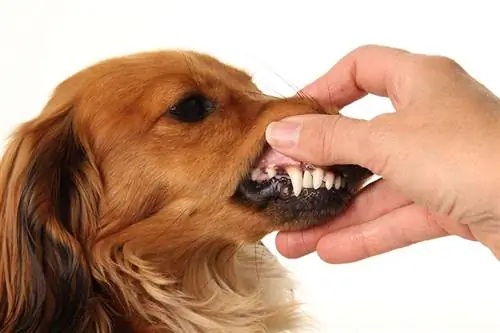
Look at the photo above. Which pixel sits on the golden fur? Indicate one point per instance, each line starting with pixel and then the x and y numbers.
pixel 116 218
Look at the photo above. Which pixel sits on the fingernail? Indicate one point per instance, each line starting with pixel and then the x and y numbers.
pixel 283 134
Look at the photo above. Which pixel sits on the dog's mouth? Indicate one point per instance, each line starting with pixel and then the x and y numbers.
pixel 297 190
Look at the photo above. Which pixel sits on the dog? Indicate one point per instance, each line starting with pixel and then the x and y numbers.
pixel 136 201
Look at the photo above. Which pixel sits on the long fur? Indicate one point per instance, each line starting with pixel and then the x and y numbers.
pixel 82 251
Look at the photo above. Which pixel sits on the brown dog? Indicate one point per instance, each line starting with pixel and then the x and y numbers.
pixel 136 200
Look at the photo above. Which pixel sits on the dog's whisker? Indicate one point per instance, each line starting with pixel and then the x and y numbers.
pixel 175 220
pixel 330 99
pixel 297 91
pixel 192 72
pixel 294 88
pixel 311 99
pixel 256 248
pixel 230 257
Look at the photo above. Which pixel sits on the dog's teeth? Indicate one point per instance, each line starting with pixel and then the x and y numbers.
pixel 271 172
pixel 295 174
pixel 343 182
pixel 307 180
pixel 329 179
pixel 318 175
pixel 338 181
pixel 255 174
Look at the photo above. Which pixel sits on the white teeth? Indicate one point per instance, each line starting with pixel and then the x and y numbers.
pixel 338 181
pixel 309 178
pixel 255 174
pixel 295 174
pixel 271 172
pixel 318 175
pixel 307 181
pixel 329 179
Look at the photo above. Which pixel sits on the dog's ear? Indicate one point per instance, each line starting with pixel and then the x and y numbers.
pixel 49 191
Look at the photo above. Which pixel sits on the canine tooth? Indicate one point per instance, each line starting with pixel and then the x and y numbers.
pixel 343 182
pixel 318 175
pixel 271 172
pixel 329 179
pixel 338 181
pixel 296 178
pixel 307 180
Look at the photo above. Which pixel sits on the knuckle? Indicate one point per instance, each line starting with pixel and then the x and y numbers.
pixel 376 158
pixel 328 134
pixel 447 63
pixel 367 47
pixel 376 47
pixel 440 63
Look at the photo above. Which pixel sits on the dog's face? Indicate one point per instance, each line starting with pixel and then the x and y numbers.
pixel 182 133
pixel 149 154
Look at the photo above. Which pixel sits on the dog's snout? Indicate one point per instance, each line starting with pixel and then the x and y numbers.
pixel 278 109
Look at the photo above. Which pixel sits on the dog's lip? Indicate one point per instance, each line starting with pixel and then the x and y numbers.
pixel 270 164
pixel 312 204
pixel 352 177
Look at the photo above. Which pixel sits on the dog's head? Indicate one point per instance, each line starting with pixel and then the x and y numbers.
pixel 135 163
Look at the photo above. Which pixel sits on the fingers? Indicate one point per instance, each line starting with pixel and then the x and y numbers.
pixel 335 139
pixel 397 229
pixel 321 139
pixel 377 200
pixel 370 69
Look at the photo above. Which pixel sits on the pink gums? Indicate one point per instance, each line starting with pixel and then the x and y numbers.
pixel 274 158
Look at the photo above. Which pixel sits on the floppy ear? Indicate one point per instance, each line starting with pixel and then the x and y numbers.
pixel 49 192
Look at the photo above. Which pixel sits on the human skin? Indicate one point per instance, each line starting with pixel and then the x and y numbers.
pixel 438 155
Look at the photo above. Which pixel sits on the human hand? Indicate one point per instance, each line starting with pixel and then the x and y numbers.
pixel 438 154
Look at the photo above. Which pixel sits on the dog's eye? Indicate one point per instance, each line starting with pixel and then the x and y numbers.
pixel 192 109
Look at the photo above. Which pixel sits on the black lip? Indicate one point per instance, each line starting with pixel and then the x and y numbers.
pixel 311 203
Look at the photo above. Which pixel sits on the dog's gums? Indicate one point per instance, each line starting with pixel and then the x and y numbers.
pixel 117 217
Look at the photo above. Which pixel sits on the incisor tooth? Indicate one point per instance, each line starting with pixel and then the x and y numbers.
pixel 329 179
pixel 307 180
pixel 318 175
pixel 338 181
pixel 271 172
pixel 255 174
pixel 296 177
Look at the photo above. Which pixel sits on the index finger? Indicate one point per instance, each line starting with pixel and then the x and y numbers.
pixel 370 69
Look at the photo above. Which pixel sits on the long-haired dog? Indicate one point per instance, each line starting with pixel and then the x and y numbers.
pixel 135 202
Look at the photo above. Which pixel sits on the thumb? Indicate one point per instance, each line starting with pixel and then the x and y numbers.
pixel 322 139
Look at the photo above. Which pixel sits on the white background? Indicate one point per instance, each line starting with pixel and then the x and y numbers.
pixel 447 285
